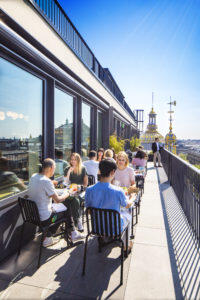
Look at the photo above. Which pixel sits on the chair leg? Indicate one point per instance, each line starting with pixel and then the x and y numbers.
pixel 21 236
pixel 122 262
pixel 126 254
pixel 132 224
pixel 85 255
pixel 136 214
pixel 83 215
pixel 139 207
pixel 40 250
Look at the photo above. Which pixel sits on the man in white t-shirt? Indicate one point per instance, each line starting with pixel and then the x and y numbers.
pixel 91 165
pixel 42 191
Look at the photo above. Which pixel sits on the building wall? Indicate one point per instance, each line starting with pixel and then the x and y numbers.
pixel 24 14
pixel 55 86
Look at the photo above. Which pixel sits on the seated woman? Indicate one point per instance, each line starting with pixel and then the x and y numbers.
pixel 124 174
pixel 109 154
pixel 100 154
pixel 76 173
pixel 140 159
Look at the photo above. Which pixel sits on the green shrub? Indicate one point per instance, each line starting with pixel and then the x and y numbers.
pixel 134 143
pixel 197 166
pixel 183 156
pixel 115 144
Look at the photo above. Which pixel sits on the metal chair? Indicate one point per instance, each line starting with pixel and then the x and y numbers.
pixel 30 214
pixel 105 223
pixel 91 180
pixel 139 180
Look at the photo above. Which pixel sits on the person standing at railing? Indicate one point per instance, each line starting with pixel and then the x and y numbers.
pixel 156 148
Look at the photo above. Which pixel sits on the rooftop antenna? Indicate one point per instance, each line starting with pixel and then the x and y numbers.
pixel 152 99
pixel 171 112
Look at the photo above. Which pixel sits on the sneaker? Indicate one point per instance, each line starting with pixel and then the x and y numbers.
pixel 75 236
pixel 50 241
pixel 80 225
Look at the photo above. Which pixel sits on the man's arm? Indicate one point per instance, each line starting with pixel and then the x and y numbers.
pixel 130 202
pixel 61 198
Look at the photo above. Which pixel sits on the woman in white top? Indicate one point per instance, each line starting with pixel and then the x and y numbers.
pixel 124 174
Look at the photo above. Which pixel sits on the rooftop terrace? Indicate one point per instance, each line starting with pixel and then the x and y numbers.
pixel 164 263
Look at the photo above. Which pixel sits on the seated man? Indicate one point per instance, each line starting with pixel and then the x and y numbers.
pixel 107 196
pixel 42 191
pixel 92 165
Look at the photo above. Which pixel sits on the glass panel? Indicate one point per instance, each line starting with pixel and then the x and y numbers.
pixel 63 130
pixel 85 135
pixel 20 127
pixel 99 130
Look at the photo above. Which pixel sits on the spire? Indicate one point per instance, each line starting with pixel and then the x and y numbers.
pixel 152 110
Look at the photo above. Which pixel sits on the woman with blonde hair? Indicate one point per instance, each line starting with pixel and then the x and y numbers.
pixel 124 174
pixel 108 154
pixel 76 174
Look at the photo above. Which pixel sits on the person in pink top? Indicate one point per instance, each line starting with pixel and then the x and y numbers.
pixel 139 160
pixel 124 175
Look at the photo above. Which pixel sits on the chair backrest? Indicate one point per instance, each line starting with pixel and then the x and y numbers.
pixel 91 180
pixel 29 211
pixel 103 222
pixel 139 180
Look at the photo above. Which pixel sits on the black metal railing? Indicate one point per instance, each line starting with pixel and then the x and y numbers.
pixel 57 18
pixel 185 180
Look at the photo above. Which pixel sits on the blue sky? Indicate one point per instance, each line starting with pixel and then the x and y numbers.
pixel 149 46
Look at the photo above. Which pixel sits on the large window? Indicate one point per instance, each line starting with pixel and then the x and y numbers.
pixel 99 129
pixel 63 130
pixel 85 135
pixel 20 127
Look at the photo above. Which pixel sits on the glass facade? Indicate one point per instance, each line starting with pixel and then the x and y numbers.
pixel 99 129
pixel 63 114
pixel 21 141
pixel 85 136
pixel 20 127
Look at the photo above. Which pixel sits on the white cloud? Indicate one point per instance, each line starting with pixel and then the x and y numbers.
pixel 15 115
pixel 2 115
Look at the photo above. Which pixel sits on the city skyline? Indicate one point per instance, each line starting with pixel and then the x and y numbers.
pixel 155 44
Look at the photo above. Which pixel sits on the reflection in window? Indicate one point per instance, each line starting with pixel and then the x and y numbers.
pixel 99 130
pixel 85 134
pixel 20 127
pixel 63 130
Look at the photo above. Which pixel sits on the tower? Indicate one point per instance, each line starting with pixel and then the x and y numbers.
pixel 170 138
pixel 151 132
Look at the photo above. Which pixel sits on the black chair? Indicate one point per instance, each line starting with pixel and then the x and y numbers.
pixel 30 214
pixel 91 180
pixel 105 223
pixel 139 180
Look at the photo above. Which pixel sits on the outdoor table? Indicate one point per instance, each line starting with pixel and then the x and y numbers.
pixel 130 210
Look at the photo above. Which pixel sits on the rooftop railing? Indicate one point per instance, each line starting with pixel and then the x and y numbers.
pixel 57 18
pixel 185 180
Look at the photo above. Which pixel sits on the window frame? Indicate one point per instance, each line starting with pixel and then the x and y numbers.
pixel 25 66
pixel 65 90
